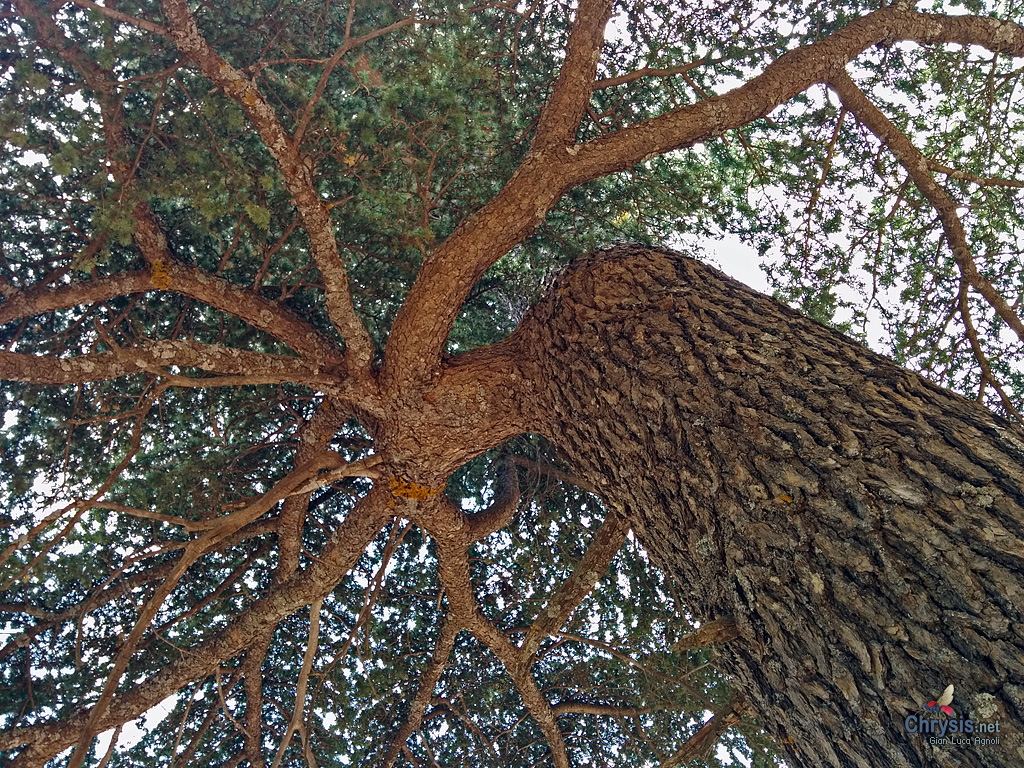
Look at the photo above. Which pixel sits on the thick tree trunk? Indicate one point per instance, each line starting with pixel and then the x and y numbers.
pixel 864 527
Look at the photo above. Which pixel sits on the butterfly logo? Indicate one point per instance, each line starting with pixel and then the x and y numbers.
pixel 942 703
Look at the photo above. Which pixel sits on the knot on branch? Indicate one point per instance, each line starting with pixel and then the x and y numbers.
pixel 721 630
pixel 407 489
pixel 160 276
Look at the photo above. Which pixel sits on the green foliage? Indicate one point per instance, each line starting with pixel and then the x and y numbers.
pixel 417 129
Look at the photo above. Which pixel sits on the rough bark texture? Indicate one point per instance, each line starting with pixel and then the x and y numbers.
pixel 864 527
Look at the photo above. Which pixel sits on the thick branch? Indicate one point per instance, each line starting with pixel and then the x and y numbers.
pixel 717 631
pixel 149 238
pixel 917 166
pixel 637 74
pixel 261 313
pixel 245 367
pixel 313 437
pixel 788 76
pixel 500 512
pixel 601 710
pixel 453 566
pixel 571 93
pixel 226 526
pixel 536 704
pixel 252 671
pixel 362 468
pixel 701 743
pixel 607 541
pixel 428 681
pixel 297 175
pixel 554 474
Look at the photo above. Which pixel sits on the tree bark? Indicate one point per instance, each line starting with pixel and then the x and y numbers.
pixel 863 527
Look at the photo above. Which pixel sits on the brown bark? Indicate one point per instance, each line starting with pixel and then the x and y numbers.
pixel 703 741
pixel 718 631
pixel 424 693
pixel 268 316
pixel 243 367
pixel 862 526
pixel 584 577
pixel 860 529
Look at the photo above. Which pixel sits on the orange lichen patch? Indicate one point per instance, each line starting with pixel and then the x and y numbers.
pixel 785 499
pixel 161 277
pixel 407 489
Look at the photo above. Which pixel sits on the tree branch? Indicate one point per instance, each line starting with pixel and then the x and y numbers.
pixel 536 704
pixel 298 712
pixel 428 681
pixel 336 559
pixel 153 357
pixel 116 15
pixel 637 74
pixel 313 438
pixel 448 706
pixel 165 272
pixel 453 566
pixel 701 743
pixel 268 316
pixel 607 541
pixel 361 468
pixel 297 175
pixel 555 474
pixel 783 79
pixel 225 526
pixel 981 181
pixel 601 710
pixel 570 95
pixel 918 167
pixel 500 512
pixel 718 631
pixel 350 44
pixel 981 357
pixel 263 314
pixel 449 273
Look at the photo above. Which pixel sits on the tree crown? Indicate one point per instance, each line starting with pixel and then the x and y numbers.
pixel 257 257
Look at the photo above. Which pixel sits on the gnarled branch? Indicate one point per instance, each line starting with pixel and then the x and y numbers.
pixel 425 319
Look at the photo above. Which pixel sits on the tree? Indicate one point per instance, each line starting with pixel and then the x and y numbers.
pixel 275 297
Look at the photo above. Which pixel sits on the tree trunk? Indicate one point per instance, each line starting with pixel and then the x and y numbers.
pixel 864 527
